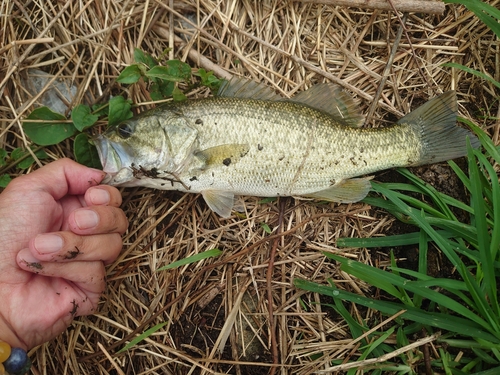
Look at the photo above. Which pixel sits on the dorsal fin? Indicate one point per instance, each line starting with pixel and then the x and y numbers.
pixel 240 87
pixel 331 99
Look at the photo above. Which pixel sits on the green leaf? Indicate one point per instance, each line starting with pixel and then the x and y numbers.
pixel 472 71
pixel 266 228
pixel 144 58
pixel 3 156
pixel 268 200
pixel 389 241
pixel 85 152
pixel 131 74
pixel 208 79
pixel 82 117
pixel 4 180
pixel 100 109
pixel 26 160
pixel 192 259
pixel 119 110
pixel 485 12
pixel 439 320
pixel 51 131
pixel 142 336
pixel 174 70
pixel 178 95
pixel 161 90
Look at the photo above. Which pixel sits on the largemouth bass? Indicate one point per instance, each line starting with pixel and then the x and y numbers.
pixel 249 141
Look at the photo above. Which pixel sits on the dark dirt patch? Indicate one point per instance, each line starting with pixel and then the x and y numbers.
pixel 197 331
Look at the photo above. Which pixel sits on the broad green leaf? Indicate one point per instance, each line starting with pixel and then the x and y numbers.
pixel 144 58
pixel 3 156
pixel 192 259
pixel 178 95
pixel 131 74
pixel 51 131
pixel 100 109
pixel 26 160
pixel 208 79
pixel 82 117
pixel 174 70
pixel 142 336
pixel 85 152
pixel 119 110
pixel 164 73
pixel 161 90
pixel 4 180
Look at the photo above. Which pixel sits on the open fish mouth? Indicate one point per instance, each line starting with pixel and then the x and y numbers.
pixel 110 161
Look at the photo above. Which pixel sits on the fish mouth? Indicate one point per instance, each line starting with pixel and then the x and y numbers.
pixel 114 158
pixel 110 161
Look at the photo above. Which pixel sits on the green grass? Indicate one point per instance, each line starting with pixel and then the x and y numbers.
pixel 463 308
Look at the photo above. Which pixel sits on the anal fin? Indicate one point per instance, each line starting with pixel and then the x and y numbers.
pixel 221 202
pixel 348 191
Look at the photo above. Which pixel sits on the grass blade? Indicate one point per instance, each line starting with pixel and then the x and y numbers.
pixel 192 259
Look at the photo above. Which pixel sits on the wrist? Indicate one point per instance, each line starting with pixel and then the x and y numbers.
pixel 13 360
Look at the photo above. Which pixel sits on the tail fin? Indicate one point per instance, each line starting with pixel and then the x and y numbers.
pixel 435 121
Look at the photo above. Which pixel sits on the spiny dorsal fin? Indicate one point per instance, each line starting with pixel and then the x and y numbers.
pixel 240 87
pixel 331 99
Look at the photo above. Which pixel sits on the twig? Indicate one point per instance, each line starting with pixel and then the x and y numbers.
pixel 385 74
pixel 418 6
pixel 269 282
pixel 26 53
pixel 200 274
pixel 118 370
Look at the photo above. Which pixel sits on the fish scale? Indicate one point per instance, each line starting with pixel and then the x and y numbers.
pixel 259 144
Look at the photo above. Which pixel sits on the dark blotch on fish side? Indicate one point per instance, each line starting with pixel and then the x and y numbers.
pixel 194 178
pixel 226 161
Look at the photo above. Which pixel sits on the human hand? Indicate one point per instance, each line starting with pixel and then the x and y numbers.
pixel 58 229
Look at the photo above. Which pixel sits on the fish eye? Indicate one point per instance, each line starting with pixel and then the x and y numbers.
pixel 124 130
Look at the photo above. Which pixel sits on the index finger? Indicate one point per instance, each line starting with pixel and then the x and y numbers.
pixel 60 178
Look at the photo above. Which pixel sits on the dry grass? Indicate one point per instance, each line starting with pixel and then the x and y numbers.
pixel 289 45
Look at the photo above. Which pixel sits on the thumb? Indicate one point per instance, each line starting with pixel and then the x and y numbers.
pixel 59 178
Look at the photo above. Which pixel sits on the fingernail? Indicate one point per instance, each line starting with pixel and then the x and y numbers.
pixel 99 196
pixel 26 256
pixel 86 219
pixel 48 243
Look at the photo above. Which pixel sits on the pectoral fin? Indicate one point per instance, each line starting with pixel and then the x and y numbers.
pixel 221 202
pixel 348 191
pixel 223 154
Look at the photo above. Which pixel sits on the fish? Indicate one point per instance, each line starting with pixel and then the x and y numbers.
pixel 249 141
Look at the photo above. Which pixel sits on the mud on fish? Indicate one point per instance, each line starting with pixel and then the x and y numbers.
pixel 249 141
